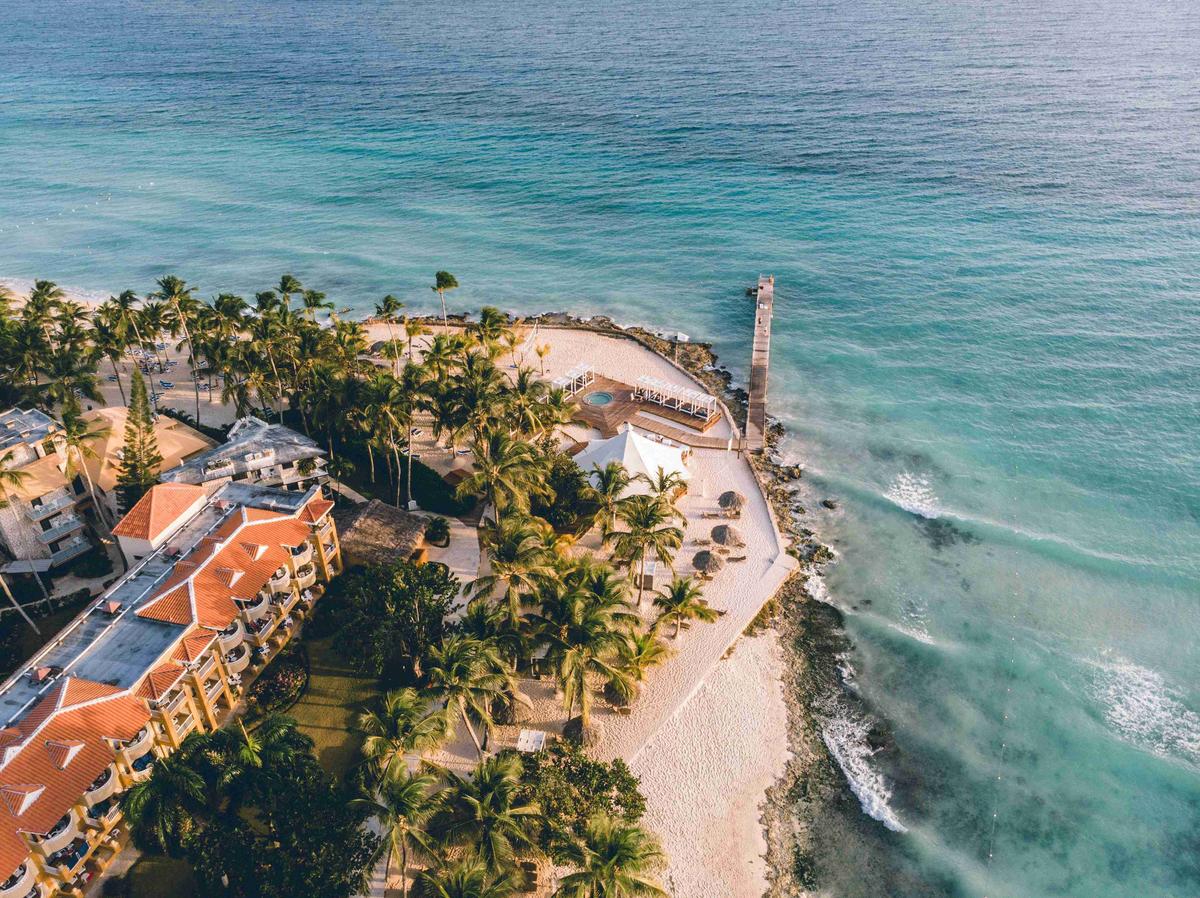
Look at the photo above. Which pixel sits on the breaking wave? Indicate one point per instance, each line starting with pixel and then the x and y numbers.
pixel 1146 710
pixel 914 493
pixel 846 736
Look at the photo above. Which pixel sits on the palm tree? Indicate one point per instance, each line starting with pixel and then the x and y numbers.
pixel 413 329
pixel 443 281
pixel 508 472
pixel 613 860
pixel 649 532
pixel 77 440
pixel 314 301
pixel 542 350
pixel 665 485
pixel 10 477
pixel 467 878
pixel 162 809
pixel 402 805
pixel 289 285
pixel 528 404
pixel 491 329
pixel 43 300
pixel 639 653
pixel 469 675
pixel 108 340
pixel 397 725
pixel 681 603
pixel 610 483
pixel 387 310
pixel 487 813
pixel 175 292
pixel 518 562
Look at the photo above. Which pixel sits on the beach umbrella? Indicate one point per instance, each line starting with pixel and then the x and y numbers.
pixel 727 535
pixel 731 500
pixel 707 562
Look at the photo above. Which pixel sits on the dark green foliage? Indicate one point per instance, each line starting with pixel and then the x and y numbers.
pixel 139 466
pixel 570 787
pixel 573 508
pixel 391 615
pixel 280 684
pixel 435 494
pixel 437 531
pixel 94 563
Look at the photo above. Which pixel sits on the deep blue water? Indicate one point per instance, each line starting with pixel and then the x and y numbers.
pixel 984 218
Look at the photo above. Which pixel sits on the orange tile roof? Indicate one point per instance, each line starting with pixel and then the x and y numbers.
pixel 159 681
pixel 157 510
pixel 315 510
pixel 193 646
pixel 75 717
pixel 173 606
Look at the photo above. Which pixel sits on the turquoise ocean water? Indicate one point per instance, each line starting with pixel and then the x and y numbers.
pixel 984 218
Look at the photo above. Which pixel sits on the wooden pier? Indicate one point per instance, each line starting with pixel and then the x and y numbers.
pixel 760 356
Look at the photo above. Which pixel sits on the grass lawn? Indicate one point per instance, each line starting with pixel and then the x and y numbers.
pixel 161 877
pixel 326 710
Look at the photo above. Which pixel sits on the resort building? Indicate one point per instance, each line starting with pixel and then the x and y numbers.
pixel 177 443
pixel 256 452
pixel 40 523
pixel 164 652
pixel 43 520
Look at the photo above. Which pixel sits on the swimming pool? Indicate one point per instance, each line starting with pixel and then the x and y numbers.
pixel 600 397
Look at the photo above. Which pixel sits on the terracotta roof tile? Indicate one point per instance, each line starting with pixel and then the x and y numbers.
pixel 159 681
pixel 314 510
pixel 172 607
pixel 193 646
pixel 157 510
pixel 63 751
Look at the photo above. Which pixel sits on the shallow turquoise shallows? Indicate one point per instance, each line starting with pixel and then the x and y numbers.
pixel 984 220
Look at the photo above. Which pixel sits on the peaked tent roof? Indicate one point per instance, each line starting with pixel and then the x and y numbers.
pixel 639 455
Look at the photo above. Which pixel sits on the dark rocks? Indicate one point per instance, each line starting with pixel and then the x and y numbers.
pixel 829 503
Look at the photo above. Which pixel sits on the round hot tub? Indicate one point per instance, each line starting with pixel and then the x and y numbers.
pixel 600 397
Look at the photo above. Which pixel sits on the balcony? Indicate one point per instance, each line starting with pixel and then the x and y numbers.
pixel 232 636
pixel 143 767
pixel 66 524
pixel 252 612
pixel 105 785
pixel 210 661
pixel 61 835
pixel 45 509
pixel 72 855
pixel 280 580
pixel 306 576
pixel 213 690
pixel 139 744
pixel 185 726
pixel 104 815
pixel 302 554
pixel 261 631
pixel 19 884
pixel 237 660
pixel 71 549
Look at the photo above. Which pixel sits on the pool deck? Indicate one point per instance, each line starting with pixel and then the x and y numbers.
pixel 609 417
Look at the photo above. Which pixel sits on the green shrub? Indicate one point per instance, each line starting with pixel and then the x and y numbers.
pixel 435 494
pixel 93 563
pixel 574 505
pixel 437 531
pixel 279 686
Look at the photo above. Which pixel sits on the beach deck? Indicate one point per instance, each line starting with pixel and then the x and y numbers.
pixel 760 357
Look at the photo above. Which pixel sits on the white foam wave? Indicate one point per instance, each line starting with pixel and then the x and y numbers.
pixel 914 493
pixel 1146 710
pixel 845 735
pixel 915 621
pixel 817 589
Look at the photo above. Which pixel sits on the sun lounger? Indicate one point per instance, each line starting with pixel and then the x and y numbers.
pixel 166 384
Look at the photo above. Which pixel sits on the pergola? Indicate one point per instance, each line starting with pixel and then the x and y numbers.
pixel 582 375
pixel 673 396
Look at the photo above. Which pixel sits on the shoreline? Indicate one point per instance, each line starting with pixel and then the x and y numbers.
pixel 762 822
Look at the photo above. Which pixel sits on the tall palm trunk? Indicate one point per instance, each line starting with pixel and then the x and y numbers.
pixel 442 297
pixel 17 605
pixel 191 356
pixel 120 386
pixel 101 513
pixel 462 709
pixel 408 479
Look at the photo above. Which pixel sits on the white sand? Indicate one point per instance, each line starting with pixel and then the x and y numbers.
pixel 706 772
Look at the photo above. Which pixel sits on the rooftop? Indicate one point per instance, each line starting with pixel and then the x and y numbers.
pixel 177 443
pixel 252 444
pixel 119 648
pixel 157 510
pixel 24 426
pixel 378 533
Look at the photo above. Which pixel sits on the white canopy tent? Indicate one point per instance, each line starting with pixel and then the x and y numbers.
pixel 639 454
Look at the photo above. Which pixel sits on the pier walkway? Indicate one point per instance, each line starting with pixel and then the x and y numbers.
pixel 760 355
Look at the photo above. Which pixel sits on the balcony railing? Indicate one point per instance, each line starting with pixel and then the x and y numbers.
pixel 238 660
pixel 302 553
pixel 62 834
pixel 232 636
pixel 45 509
pixel 72 855
pixel 105 785
pixel 143 767
pixel 18 885
pixel 62 528
pixel 212 690
pixel 306 576
pixel 140 743
pixel 255 610
pixel 76 546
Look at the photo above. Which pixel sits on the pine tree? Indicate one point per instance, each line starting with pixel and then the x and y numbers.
pixel 140 461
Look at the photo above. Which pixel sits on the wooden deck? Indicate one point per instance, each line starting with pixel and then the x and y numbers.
pixel 760 355
pixel 608 418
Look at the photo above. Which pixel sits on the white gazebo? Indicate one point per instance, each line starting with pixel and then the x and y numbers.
pixel 639 454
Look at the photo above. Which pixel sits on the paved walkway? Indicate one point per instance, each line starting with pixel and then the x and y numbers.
pixel 760 358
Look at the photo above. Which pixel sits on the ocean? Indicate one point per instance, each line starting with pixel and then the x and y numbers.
pixel 984 221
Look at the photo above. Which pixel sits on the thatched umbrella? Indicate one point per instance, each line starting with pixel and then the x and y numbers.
pixel 732 500
pixel 727 535
pixel 574 731
pixel 707 562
